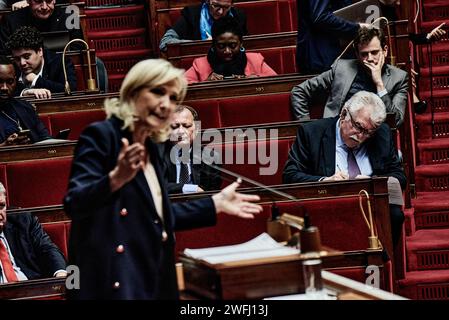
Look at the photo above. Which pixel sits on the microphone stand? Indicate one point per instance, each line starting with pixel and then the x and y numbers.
pixel 91 83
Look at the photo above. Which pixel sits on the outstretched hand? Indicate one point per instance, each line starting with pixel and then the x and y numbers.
pixel 231 202
pixel 130 160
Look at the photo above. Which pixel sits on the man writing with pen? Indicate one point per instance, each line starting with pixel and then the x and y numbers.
pixel 355 144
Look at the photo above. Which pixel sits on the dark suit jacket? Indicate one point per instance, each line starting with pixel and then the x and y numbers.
pixel 33 251
pixel 146 267
pixel 312 156
pixel 23 17
pixel 319 31
pixel 28 119
pixel 188 25
pixel 53 74
pixel 203 175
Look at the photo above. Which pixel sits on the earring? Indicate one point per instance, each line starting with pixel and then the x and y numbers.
pixel 242 49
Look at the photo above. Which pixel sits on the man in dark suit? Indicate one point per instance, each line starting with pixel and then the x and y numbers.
pixel 41 71
pixel 26 251
pixel 355 144
pixel 368 72
pixel 187 177
pixel 45 17
pixel 319 34
pixel 196 22
pixel 16 115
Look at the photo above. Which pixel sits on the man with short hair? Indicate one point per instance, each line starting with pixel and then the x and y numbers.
pixel 16 115
pixel 355 144
pixel 184 174
pixel 196 22
pixel 45 17
pixel 26 251
pixel 42 71
pixel 346 77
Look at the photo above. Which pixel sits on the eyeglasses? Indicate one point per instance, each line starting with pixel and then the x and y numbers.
pixel 216 6
pixel 359 128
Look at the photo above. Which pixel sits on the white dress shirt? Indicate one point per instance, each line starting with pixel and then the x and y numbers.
pixel 20 275
pixel 341 155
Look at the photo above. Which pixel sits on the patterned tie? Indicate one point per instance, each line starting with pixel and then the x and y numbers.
pixel 6 264
pixel 353 168
pixel 184 176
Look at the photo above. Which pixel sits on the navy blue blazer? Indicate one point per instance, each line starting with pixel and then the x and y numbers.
pixel 53 74
pixel 319 33
pixel 103 221
pixel 33 251
pixel 312 156
pixel 28 120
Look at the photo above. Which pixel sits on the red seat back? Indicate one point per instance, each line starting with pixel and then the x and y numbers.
pixel 76 121
pixel 38 183
pixel 208 113
pixel 255 109
pixel 58 234
pixel 262 16
pixel 335 218
pixel 262 161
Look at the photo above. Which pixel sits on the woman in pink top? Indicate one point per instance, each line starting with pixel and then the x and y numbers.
pixel 227 58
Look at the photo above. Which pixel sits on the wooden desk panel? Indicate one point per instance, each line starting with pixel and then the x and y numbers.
pixel 49 288
pixel 35 152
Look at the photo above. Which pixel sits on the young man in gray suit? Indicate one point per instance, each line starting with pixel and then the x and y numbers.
pixel 368 72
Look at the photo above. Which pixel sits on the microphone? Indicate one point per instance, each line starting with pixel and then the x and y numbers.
pixel 91 82
pixel 373 239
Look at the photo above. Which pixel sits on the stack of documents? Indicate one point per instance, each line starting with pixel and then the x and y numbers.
pixel 263 246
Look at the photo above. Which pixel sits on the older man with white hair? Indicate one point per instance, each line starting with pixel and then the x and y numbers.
pixel 26 251
pixel 355 144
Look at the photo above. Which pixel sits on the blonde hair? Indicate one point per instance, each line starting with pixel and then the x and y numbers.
pixel 148 73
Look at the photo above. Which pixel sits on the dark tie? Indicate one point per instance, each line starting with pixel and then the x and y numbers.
pixel 353 168
pixel 6 264
pixel 184 176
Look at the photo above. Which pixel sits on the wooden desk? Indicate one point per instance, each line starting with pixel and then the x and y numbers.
pixel 35 152
pixel 264 277
pixel 39 289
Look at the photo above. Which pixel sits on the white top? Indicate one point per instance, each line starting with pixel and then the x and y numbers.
pixel 155 188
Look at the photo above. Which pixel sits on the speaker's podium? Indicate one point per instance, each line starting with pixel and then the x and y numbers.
pixel 262 277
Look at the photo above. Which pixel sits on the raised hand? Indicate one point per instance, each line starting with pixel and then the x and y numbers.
pixel 436 33
pixel 376 71
pixel 231 202
pixel 130 160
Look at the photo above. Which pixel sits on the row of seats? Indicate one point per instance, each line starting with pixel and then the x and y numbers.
pixel 216 113
pixel 76 121
pixel 50 176
pixel 263 16
pixel 213 113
